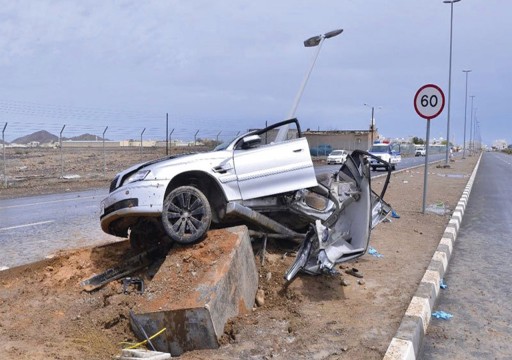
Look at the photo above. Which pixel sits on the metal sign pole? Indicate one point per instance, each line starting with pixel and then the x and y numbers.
pixel 428 103
pixel 425 177
pixel 5 164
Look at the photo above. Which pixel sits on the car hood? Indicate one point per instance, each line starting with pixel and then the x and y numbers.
pixel 212 157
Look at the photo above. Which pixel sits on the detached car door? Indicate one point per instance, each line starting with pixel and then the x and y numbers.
pixel 274 164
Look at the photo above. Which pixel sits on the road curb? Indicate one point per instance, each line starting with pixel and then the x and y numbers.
pixel 410 334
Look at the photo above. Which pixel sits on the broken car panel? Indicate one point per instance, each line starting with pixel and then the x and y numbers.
pixel 261 178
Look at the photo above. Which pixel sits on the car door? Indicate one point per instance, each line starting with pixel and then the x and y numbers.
pixel 273 167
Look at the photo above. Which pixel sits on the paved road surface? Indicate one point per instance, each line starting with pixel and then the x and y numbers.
pixel 479 278
pixel 36 226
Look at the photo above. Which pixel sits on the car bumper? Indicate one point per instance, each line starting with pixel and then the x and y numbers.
pixel 138 199
pixel 376 163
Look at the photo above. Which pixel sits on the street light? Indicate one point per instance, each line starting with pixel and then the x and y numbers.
pixel 451 2
pixel 471 126
pixel 312 42
pixel 465 113
pixel 372 124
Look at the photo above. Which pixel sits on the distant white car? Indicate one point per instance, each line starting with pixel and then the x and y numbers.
pixel 420 152
pixel 337 157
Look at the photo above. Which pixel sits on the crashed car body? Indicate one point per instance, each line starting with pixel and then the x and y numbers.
pixel 264 178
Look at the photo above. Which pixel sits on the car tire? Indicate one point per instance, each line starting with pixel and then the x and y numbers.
pixel 374 168
pixel 393 167
pixel 186 215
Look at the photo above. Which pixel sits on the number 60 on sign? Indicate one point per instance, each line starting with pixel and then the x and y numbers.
pixel 429 101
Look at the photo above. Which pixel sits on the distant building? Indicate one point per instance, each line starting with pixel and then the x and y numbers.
pixel 341 139
pixel 499 144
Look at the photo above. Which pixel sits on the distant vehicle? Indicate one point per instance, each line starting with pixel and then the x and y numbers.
pixel 389 153
pixel 320 150
pixel 337 157
pixel 420 152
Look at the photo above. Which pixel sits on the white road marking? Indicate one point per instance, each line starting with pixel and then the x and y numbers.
pixel 48 202
pixel 27 225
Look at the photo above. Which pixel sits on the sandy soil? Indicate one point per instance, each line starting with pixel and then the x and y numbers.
pixel 44 313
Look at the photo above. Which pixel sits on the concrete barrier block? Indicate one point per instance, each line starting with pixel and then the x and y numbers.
pixel 197 290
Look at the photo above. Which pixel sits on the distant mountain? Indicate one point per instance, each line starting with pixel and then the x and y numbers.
pixel 42 137
pixel 86 137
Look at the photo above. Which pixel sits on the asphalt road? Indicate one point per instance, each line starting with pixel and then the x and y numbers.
pixel 406 162
pixel 479 277
pixel 34 227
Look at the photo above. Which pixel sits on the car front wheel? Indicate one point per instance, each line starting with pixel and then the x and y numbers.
pixel 186 215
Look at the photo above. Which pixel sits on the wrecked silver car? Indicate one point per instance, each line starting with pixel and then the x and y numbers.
pixel 264 178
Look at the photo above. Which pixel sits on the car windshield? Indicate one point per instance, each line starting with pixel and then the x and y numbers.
pixel 337 152
pixel 379 148
pixel 224 145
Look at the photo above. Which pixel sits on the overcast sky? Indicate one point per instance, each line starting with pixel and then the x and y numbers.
pixel 226 66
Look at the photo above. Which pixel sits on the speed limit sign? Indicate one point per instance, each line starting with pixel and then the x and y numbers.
pixel 429 101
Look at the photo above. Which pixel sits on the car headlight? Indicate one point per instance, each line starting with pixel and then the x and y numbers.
pixel 137 176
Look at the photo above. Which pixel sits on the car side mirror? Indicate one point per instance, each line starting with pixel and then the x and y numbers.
pixel 251 141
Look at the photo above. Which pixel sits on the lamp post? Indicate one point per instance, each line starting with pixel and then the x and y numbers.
pixel 465 113
pixel 312 42
pixel 471 126
pixel 451 2
pixel 372 123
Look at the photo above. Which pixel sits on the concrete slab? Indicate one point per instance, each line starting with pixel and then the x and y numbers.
pixel 197 290
pixel 141 354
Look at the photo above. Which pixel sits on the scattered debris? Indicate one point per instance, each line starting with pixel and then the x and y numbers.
pixel 394 214
pixel 374 252
pixel 260 297
pixel 442 285
pixel 438 209
pixel 354 272
pixel 345 282
pixel 128 354
pixel 134 263
pixel 442 315
pixel 134 282
pixel 361 282
pixel 70 177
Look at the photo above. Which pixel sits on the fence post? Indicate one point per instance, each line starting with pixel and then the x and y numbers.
pixel 5 164
pixel 104 158
pixel 167 134
pixel 195 137
pixel 170 140
pixel 61 156
pixel 141 141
